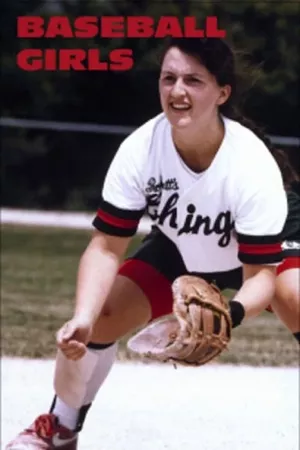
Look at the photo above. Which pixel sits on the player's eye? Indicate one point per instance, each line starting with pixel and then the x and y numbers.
pixel 193 80
pixel 169 78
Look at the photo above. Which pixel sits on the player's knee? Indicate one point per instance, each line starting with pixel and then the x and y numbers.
pixel 287 288
pixel 124 311
pixel 110 329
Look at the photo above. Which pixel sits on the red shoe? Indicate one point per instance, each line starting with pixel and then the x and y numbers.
pixel 45 434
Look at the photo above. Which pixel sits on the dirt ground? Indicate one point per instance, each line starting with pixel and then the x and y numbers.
pixel 153 407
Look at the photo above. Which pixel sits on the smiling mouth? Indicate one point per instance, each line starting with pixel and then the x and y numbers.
pixel 180 107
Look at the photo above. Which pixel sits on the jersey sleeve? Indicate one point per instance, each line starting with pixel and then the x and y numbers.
pixel 122 202
pixel 260 216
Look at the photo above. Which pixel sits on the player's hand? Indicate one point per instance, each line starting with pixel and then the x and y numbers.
pixel 73 336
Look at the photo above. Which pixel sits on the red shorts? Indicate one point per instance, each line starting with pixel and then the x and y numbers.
pixel 291 261
pixel 157 263
pixel 154 284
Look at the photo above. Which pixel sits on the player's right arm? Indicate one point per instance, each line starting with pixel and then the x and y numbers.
pixel 97 271
pixel 121 207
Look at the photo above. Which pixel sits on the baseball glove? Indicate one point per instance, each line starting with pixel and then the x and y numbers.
pixel 198 330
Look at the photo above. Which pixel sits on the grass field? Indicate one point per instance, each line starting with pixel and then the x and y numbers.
pixel 38 274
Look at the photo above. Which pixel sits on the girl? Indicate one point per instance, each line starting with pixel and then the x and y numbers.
pixel 217 201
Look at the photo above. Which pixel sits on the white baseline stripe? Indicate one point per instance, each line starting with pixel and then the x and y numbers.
pixel 72 220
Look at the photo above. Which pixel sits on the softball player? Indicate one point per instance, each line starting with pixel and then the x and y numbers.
pixel 218 205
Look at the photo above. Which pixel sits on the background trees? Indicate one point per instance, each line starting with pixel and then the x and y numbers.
pixel 65 169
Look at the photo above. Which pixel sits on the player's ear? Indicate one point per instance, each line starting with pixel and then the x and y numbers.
pixel 225 92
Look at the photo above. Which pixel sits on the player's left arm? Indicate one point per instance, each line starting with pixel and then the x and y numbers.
pixel 261 215
pixel 258 288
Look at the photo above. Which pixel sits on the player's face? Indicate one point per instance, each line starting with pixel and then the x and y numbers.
pixel 189 93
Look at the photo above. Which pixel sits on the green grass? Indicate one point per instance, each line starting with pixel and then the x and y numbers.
pixel 38 271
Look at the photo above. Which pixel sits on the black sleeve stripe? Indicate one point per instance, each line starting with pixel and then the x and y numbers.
pixel 256 258
pixel 291 253
pixel 119 212
pixel 117 221
pixel 113 230
pixel 246 239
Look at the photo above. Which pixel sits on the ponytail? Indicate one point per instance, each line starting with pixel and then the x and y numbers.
pixel 288 173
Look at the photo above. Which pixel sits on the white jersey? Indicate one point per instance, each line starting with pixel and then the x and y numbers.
pixel 232 212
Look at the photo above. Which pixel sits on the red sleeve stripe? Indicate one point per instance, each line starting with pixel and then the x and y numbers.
pixel 117 221
pixel 261 249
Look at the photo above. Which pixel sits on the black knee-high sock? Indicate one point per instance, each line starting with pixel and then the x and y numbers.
pixel 71 417
pixel 297 336
pixel 237 313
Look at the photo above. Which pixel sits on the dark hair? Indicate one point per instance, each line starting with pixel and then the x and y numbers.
pixel 227 67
